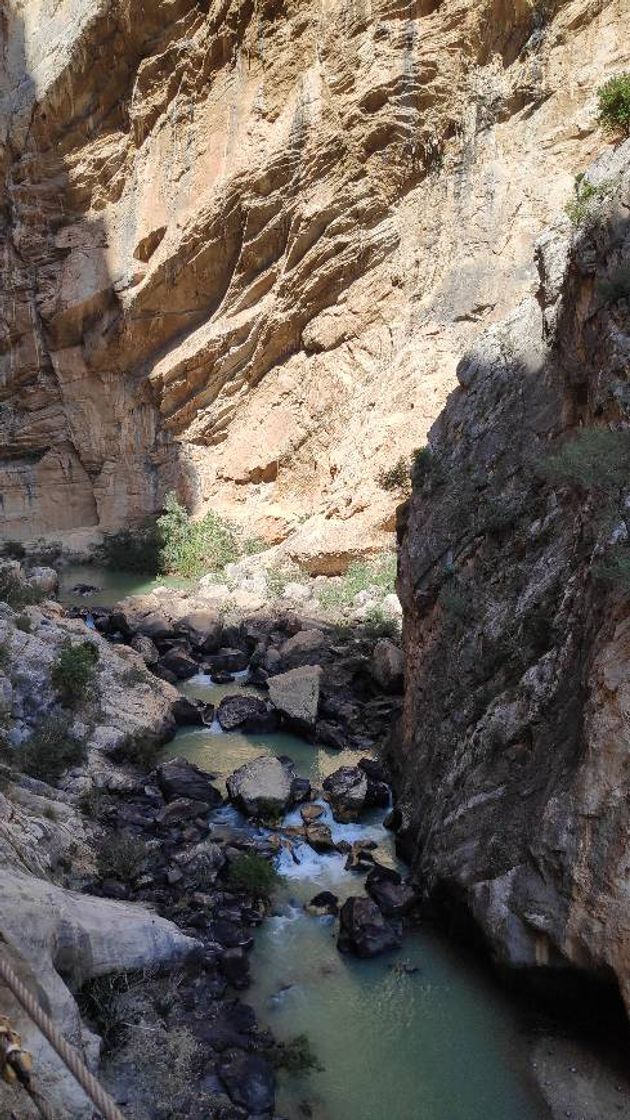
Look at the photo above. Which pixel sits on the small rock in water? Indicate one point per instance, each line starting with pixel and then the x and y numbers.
pixel 84 589
pixel 311 813
pixel 323 903
pixel 320 838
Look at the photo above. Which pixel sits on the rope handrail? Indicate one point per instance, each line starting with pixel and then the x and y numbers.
pixel 68 1054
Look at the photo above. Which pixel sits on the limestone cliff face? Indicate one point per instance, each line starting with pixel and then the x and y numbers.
pixel 513 767
pixel 244 241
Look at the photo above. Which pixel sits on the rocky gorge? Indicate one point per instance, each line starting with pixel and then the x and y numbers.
pixel 310 277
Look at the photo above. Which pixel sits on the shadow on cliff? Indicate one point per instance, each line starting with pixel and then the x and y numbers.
pixel 81 443
pixel 504 616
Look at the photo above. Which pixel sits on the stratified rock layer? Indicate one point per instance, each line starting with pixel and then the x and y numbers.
pixel 243 243
pixel 512 767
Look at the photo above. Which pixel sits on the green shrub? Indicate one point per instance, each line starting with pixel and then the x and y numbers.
pixel 253 875
pixel 51 749
pixel 361 575
pixel 425 468
pixel 189 548
pixel 121 855
pixel 396 478
pixel 140 749
pixel 379 625
pixel 13 550
pixel 613 101
pixel 296 1055
pixel 586 196
pixel 278 579
pixel 16 592
pixel 95 803
pixel 24 623
pixel 74 670
pixel 595 459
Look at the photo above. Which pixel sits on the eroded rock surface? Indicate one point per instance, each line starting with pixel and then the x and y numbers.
pixel 512 764
pixel 245 244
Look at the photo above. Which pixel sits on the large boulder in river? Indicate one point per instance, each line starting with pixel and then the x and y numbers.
pixel 266 786
pixel 250 1081
pixel 178 662
pixel 204 630
pixel 296 695
pixel 227 660
pixel 180 778
pixel 393 897
pixel 387 666
pixel 304 648
pixel 364 931
pixel 346 789
pixel 249 713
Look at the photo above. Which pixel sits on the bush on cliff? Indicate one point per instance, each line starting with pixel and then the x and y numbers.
pixel 51 749
pixel 73 672
pixel 189 548
pixel 595 459
pixel 613 101
pixel 16 592
pixel 396 478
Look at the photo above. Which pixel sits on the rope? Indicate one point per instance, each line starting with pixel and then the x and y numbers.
pixel 67 1053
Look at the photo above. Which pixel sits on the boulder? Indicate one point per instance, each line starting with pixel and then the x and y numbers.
pixel 364 931
pixel 331 735
pixel 235 967
pixel 393 897
pixel 296 695
pixel 188 710
pixel 147 649
pixel 204 629
pixel 250 1081
pixel 360 856
pixel 179 662
pixel 320 838
pixel 201 864
pixel 227 661
pixel 266 786
pixel 181 810
pixel 387 666
pixel 323 903
pixel 346 789
pixel 154 625
pixel 45 580
pixel 179 778
pixel 250 713
pixel 311 813
pixel 304 648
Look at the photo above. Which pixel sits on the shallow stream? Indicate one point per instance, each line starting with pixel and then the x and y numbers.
pixel 439 1043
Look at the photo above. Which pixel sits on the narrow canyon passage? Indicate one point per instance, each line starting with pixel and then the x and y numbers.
pixel 315 558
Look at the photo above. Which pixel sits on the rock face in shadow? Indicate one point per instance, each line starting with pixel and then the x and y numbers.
pixel 243 243
pixel 511 762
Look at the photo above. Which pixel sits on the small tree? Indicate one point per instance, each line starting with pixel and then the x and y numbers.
pixel 613 99
pixel 73 671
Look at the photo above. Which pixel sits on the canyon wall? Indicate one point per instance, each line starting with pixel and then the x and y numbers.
pixel 512 766
pixel 244 242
